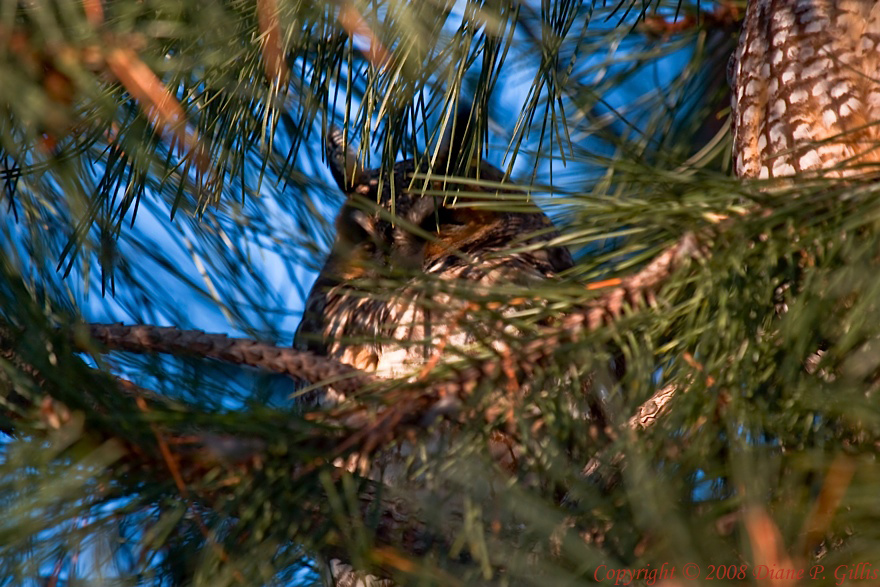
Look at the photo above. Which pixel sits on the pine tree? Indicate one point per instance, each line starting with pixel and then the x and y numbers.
pixel 163 164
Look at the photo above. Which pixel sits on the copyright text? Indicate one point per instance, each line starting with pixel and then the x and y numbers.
pixel 649 575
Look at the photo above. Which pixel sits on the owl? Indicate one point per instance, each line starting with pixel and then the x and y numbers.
pixel 806 89
pixel 385 301
pixel 376 304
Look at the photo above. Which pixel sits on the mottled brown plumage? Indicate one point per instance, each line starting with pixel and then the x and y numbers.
pixel 806 89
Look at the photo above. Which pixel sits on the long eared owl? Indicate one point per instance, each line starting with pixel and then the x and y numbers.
pixel 395 228
pixel 385 300
pixel 807 89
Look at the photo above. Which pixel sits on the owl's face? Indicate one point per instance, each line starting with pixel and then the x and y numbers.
pixel 372 238
pixel 398 224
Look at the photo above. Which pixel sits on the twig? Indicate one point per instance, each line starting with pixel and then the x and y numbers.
pixel 646 416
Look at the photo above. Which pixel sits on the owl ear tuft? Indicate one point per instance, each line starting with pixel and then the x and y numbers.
pixel 342 159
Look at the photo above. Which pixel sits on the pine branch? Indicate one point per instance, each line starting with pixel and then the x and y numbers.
pixel 237 351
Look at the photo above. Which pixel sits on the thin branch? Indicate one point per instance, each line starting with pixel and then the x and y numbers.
pixel 602 467
pixel 237 351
